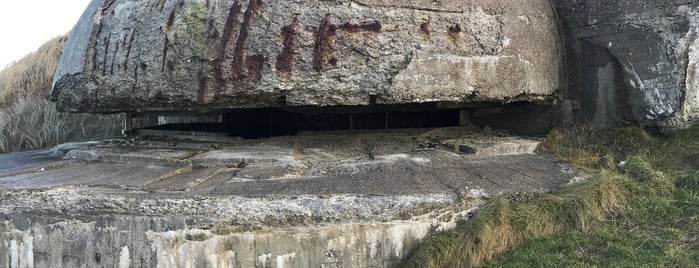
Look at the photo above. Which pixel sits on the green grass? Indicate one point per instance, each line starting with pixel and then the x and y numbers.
pixel 657 230
pixel 644 213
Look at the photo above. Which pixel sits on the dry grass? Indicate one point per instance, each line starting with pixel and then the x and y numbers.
pixel 501 225
pixel 31 123
pixel 34 123
pixel 590 149
pixel 32 75
pixel 28 120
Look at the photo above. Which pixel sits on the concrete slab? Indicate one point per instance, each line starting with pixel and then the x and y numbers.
pixel 379 190
pixel 184 177
pixel 29 162
pixel 184 181
pixel 135 154
pixel 390 162
pixel 243 155
pixel 92 175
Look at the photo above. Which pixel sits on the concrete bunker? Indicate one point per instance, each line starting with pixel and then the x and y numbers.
pixel 252 69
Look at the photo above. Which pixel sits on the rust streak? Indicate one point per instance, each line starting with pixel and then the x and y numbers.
pixel 135 79
pixel 170 20
pixel 285 60
pixel 454 32
pixel 202 87
pixel 111 68
pixel 425 28
pixel 227 33
pixel 107 39
pixel 367 27
pixel 128 50
pixel 322 46
pixel 166 46
pixel 165 49
pixel 237 71
pixel 254 63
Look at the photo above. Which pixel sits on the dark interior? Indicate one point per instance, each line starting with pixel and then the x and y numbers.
pixel 521 117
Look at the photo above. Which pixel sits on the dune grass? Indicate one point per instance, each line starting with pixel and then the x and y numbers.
pixel 640 209
pixel 34 123
pixel 48 127
pixel 31 76
pixel 28 120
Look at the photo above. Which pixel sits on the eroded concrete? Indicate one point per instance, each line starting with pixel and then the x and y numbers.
pixel 155 55
pixel 332 199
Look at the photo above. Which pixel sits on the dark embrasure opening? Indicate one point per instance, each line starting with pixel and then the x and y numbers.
pixel 524 118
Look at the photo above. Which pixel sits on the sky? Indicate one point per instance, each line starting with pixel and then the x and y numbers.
pixel 26 24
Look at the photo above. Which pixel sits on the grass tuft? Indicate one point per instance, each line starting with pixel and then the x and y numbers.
pixel 34 123
pixel 47 126
pixel 501 225
pixel 31 76
pixel 590 149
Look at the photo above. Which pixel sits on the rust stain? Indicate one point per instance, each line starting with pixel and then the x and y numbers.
pixel 454 32
pixel 425 28
pixel 323 43
pixel 166 45
pixel 135 79
pixel 170 20
pixel 107 39
pixel 367 27
pixel 285 60
pixel 128 50
pixel 254 63
pixel 324 37
pixel 237 70
pixel 202 88
pixel 165 49
pixel 111 68
pixel 221 53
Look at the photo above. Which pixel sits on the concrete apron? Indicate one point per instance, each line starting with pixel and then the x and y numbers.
pixel 331 199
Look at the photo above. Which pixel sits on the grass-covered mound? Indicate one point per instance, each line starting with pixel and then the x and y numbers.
pixel 641 209
pixel 27 119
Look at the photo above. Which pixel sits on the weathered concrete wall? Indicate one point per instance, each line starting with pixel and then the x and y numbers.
pixel 144 55
pixel 633 61
pixel 34 240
